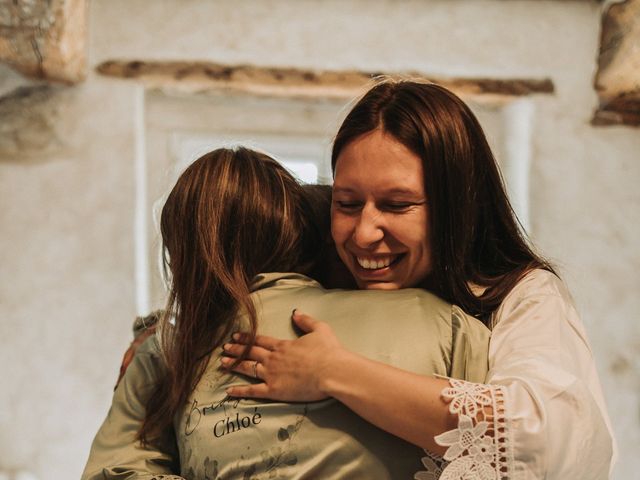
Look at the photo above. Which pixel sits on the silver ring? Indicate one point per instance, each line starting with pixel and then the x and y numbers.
pixel 255 369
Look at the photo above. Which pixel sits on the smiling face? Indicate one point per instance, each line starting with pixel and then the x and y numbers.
pixel 379 213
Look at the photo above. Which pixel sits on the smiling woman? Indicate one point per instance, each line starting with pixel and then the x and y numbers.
pixel 419 202
pixel 379 211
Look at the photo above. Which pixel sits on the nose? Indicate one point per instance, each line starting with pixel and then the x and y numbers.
pixel 368 230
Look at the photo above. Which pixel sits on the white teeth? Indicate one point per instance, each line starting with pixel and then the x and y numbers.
pixel 374 264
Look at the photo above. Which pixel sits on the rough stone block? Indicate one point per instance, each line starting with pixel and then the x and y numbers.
pixel 44 39
pixel 618 78
pixel 30 118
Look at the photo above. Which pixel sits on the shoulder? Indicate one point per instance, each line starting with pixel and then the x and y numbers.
pixel 539 282
pixel 147 361
pixel 536 286
pixel 540 303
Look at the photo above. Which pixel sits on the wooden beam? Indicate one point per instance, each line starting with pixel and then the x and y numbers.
pixel 618 78
pixel 197 77
pixel 45 39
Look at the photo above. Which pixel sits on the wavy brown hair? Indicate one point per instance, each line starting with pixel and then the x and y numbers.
pixel 231 215
pixel 475 235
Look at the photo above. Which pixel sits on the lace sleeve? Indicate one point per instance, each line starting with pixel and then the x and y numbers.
pixel 479 448
pixel 542 414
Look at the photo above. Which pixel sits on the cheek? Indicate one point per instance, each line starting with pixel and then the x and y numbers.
pixel 412 232
pixel 340 229
pixel 419 232
pixel 414 236
pixel 341 232
pixel 421 242
pixel 422 247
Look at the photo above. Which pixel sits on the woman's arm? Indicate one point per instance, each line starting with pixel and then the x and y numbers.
pixel 540 415
pixel 316 366
pixel 116 452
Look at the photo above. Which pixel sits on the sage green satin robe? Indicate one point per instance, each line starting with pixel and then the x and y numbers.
pixel 220 437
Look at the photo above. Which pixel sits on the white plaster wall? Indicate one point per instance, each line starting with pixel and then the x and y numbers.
pixel 66 220
pixel 66 286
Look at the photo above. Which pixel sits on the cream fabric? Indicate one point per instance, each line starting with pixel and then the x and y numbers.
pixel 551 421
pixel 220 437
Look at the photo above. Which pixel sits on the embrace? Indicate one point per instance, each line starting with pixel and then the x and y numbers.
pixel 399 325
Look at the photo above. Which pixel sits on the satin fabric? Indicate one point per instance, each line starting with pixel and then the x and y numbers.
pixel 226 438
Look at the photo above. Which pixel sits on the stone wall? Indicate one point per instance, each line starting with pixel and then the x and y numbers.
pixel 618 77
pixel 44 39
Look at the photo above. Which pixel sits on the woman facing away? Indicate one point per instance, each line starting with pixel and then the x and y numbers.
pixel 233 221
pixel 418 202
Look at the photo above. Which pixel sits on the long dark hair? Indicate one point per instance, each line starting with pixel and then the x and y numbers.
pixel 475 236
pixel 231 215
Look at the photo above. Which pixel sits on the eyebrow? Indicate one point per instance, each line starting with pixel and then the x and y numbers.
pixel 342 190
pixel 392 191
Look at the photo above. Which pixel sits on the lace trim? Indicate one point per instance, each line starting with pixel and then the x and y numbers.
pixel 479 449
pixel 434 465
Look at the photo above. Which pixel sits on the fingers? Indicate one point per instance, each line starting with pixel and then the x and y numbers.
pixel 255 353
pixel 250 368
pixel 259 390
pixel 263 341
pixel 305 322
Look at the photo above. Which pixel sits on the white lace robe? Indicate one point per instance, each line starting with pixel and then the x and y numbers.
pixel 550 420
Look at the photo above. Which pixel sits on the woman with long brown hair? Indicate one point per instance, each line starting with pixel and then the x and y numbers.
pixel 239 235
pixel 418 202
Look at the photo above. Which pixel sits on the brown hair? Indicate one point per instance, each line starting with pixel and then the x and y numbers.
pixel 329 269
pixel 231 215
pixel 475 235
